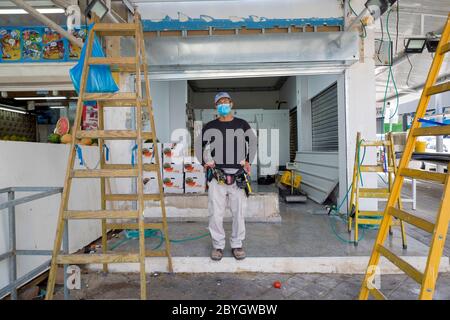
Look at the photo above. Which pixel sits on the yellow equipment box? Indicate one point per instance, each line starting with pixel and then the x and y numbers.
pixel 287 179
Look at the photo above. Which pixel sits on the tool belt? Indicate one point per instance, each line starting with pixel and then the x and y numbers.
pixel 240 177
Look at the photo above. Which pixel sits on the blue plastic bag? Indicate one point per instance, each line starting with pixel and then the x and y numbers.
pixel 100 79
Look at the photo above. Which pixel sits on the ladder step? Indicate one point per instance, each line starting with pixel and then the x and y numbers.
pixel 118 96
pixel 423 175
pixel 377 294
pixel 146 167
pixel 101 214
pixel 112 134
pixel 121 104
pixel 115 29
pixel 432 131
pixel 105 173
pixel 371 213
pixel 131 197
pixel 123 226
pixel 439 88
pixel 401 264
pixel 158 253
pixel 97 258
pixel 445 48
pixel 411 219
pixel 380 193
pixel 117 64
pixel 372 168
pixel 375 143
pixel 369 221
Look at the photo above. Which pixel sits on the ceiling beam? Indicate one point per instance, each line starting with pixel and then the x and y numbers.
pixel 39 16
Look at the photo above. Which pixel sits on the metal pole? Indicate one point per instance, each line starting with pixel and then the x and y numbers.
pixel 12 244
pixel 413 187
pixel 39 16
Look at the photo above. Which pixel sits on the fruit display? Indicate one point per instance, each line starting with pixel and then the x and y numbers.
pixel 62 126
pixel 67 138
pixel 14 138
pixel 10 44
pixel 54 138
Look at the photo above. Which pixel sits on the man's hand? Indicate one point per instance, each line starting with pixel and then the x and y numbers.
pixel 246 166
pixel 210 164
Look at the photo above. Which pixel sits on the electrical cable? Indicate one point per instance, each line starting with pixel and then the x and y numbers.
pixel 364 35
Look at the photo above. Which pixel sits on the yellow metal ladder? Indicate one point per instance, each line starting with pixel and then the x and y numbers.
pixel 357 193
pixel 438 230
pixel 135 65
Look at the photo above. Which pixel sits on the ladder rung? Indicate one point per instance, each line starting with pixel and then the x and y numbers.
pixel 423 175
pixel 371 213
pixel 146 167
pixel 369 221
pixel 131 197
pixel 439 88
pixel 377 294
pixel 372 168
pixel 432 131
pixel 375 143
pixel 411 219
pixel 445 48
pixel 401 264
pixel 112 134
pixel 121 104
pixel 101 214
pixel 122 226
pixel 115 29
pixel 158 253
pixel 381 193
pixel 117 64
pixel 105 173
pixel 118 96
pixel 97 258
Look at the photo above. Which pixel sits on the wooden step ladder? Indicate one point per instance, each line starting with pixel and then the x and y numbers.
pixel 438 230
pixel 137 65
pixel 389 166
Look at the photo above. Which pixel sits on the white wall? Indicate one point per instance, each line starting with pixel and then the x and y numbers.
pixel 242 100
pixel 43 164
pixel 288 93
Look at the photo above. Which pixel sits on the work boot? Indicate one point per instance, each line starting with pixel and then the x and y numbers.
pixel 216 254
pixel 238 253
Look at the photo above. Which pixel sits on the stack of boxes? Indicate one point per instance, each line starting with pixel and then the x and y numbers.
pixel 180 173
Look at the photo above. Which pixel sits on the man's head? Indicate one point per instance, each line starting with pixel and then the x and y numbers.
pixel 223 103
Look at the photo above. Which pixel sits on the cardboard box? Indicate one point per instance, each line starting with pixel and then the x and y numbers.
pixel 170 167
pixel 150 182
pixel 148 154
pixel 191 164
pixel 173 152
pixel 194 182
pixel 173 183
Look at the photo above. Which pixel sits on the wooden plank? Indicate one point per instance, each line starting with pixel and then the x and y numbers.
pixel 194 33
pixel 423 175
pixel 147 166
pixel 170 33
pixel 376 193
pixel 377 294
pixel 296 29
pixel 158 253
pixel 113 61
pixel 223 31
pixel 412 219
pixel 119 96
pixel 328 28
pixel 98 173
pixel 432 131
pixel 101 214
pixel 131 197
pixel 112 134
pixel 379 143
pixel 120 104
pixel 372 168
pixel 115 29
pixel 133 226
pixel 401 264
pixel 445 48
pixel 276 30
pixel 97 258
pixel 150 34
pixel 439 88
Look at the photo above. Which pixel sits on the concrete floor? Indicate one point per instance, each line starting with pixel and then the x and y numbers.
pixel 245 286
pixel 305 231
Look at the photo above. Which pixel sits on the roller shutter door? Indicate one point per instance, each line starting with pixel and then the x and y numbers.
pixel 324 118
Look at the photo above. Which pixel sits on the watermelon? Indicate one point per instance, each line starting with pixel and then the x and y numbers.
pixel 62 126
pixel 54 138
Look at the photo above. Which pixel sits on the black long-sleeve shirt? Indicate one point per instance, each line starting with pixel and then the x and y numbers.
pixel 229 142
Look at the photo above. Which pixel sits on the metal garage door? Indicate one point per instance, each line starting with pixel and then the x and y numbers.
pixel 324 116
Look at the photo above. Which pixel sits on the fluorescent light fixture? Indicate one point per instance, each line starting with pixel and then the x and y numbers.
pixel 57 107
pixel 21 11
pixel 40 98
pixel 13 110
pixel 98 7
pixel 415 45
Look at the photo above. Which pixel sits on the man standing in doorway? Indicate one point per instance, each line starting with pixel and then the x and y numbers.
pixel 228 148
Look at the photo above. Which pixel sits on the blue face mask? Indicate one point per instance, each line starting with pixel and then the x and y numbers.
pixel 223 109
